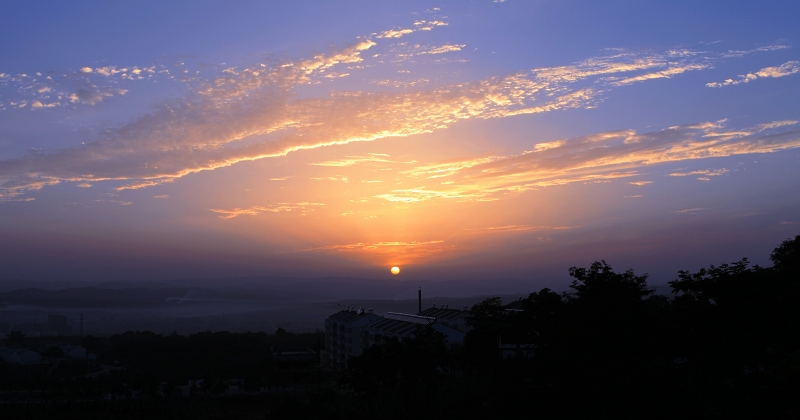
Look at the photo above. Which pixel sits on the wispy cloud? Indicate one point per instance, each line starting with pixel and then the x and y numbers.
pixel 785 69
pixel 396 252
pixel 599 157
pixel 689 211
pixel 420 25
pixel 518 228
pixel 443 49
pixel 302 208
pixel 355 160
pixel 439 170
pixel 119 202
pixel 251 113
pixel 331 178
pixel 87 85
pixel 704 172
pixel 663 74
pixel 375 245
pixel 395 33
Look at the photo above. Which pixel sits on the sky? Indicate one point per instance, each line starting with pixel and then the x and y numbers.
pixel 456 140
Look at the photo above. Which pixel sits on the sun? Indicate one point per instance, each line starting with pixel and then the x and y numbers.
pixel 395 270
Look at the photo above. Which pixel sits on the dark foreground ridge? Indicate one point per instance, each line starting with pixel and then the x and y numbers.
pixel 725 344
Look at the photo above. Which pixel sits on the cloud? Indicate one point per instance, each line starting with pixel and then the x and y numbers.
pixel 447 168
pixel 331 178
pixel 251 113
pixel 375 245
pixel 741 53
pixel 706 172
pixel 785 69
pixel 518 228
pixel 355 160
pixel 663 74
pixel 395 33
pixel 443 49
pixel 414 195
pixel 351 54
pixel 598 157
pixel 120 202
pixel 689 211
pixel 395 252
pixel 420 25
pixel 83 86
pixel 303 208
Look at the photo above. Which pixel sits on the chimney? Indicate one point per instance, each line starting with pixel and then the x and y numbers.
pixel 81 333
pixel 419 297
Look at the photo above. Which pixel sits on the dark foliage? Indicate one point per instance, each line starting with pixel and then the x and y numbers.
pixel 725 345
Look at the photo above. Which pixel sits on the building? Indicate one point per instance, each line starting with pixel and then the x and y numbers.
pixel 402 326
pixel 344 335
pixel 349 332
pixel 453 318
pixel 19 355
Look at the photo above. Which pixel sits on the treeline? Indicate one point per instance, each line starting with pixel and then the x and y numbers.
pixel 726 344
pixel 140 364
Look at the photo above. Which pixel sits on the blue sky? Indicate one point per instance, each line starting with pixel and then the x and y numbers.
pixel 454 139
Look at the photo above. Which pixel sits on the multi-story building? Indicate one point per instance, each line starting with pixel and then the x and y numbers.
pixel 350 331
pixel 344 335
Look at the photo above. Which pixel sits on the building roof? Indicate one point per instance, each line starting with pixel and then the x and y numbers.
pixel 294 354
pixel 415 319
pixel 394 327
pixel 440 314
pixel 515 306
pixel 348 315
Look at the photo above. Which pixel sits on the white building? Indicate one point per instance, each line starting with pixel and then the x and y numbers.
pixel 19 355
pixel 350 331
pixel 75 352
pixel 344 335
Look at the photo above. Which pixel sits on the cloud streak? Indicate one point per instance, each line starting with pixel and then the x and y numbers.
pixel 303 208
pixel 785 69
pixel 254 113
pixel 599 157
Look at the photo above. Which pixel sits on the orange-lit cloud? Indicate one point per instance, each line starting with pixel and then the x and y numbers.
pixel 518 228
pixel 597 157
pixel 302 208
pixel 251 113
pixel 393 252
pixel 785 69
pixel 705 172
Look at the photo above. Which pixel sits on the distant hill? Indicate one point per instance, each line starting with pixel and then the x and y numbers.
pixel 277 290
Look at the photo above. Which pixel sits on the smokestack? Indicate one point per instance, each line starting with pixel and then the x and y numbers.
pixel 81 333
pixel 419 295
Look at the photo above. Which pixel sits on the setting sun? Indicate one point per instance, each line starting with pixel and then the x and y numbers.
pixel 395 270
